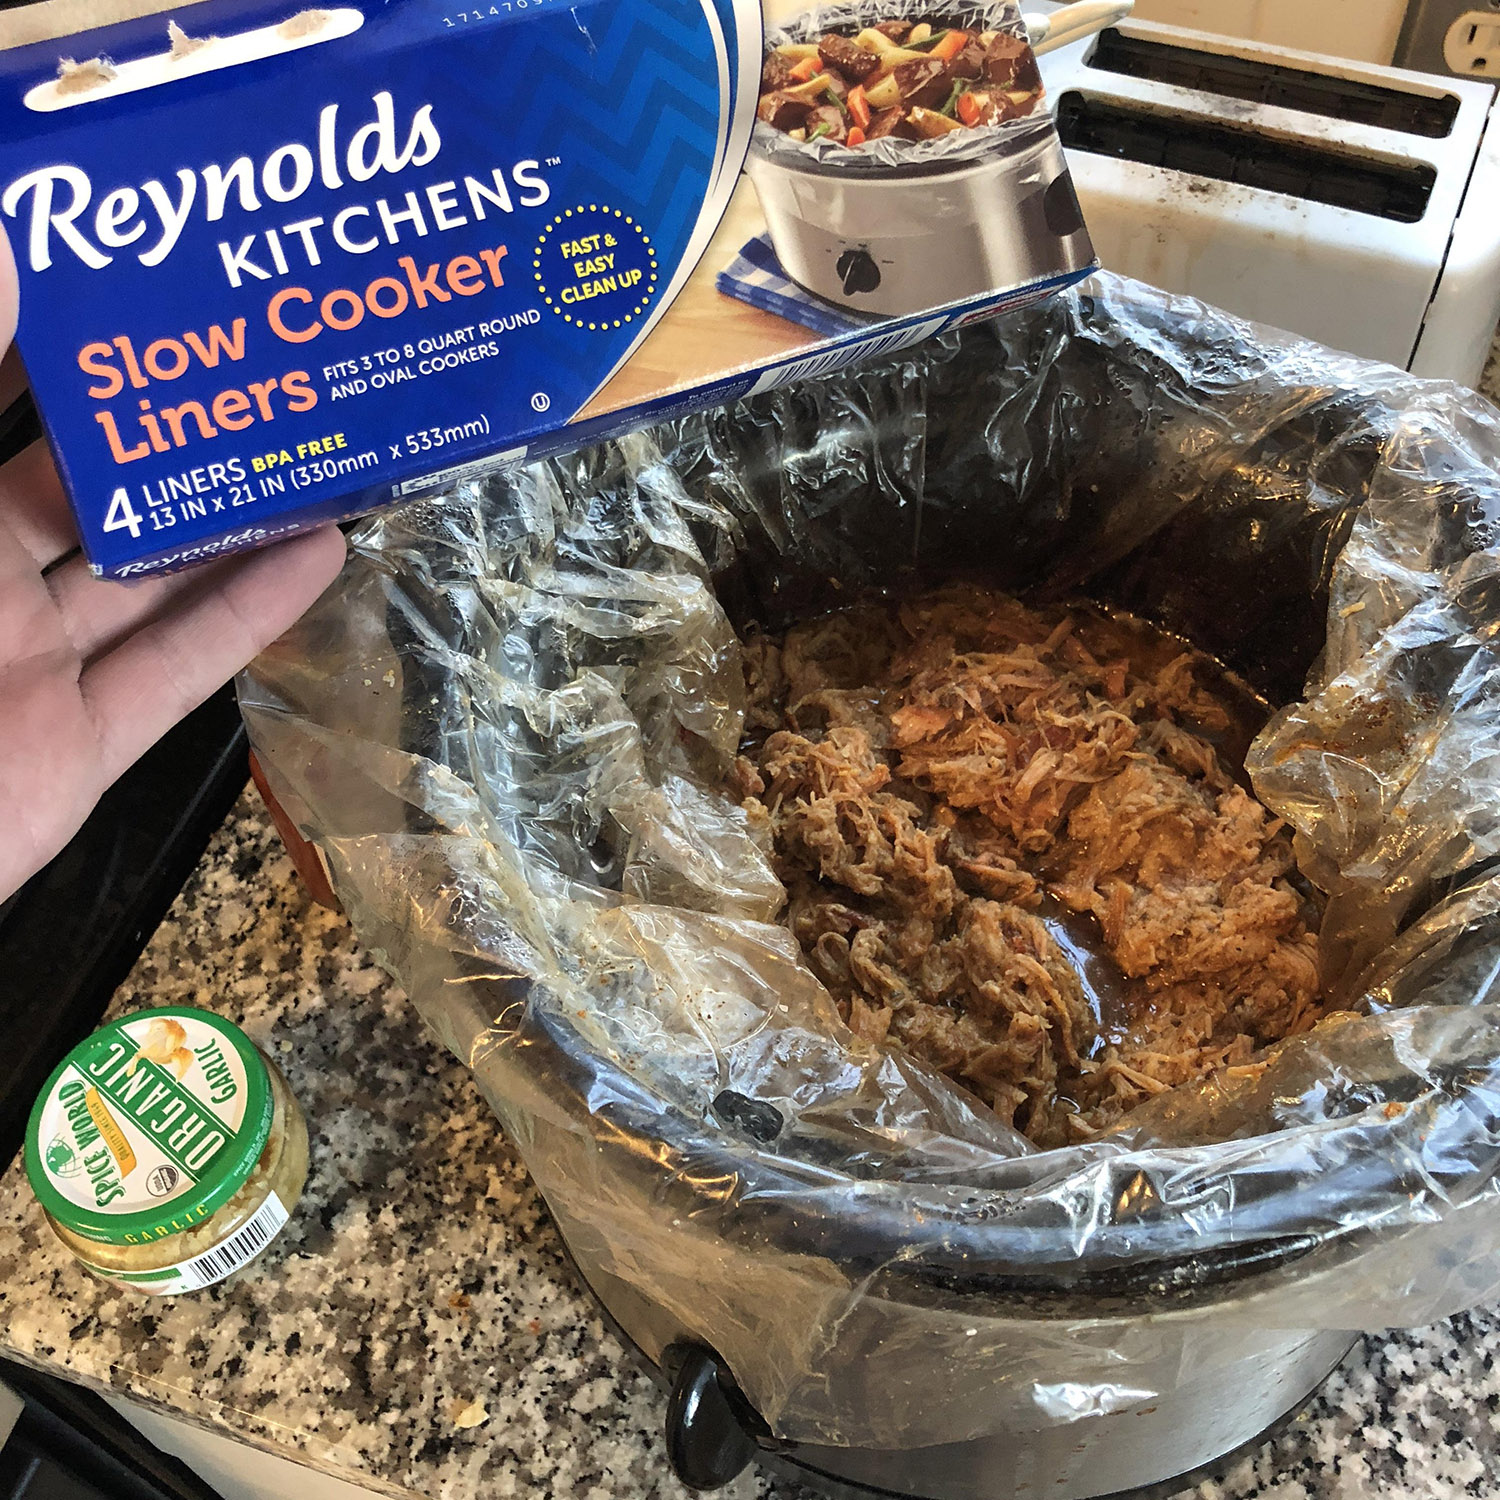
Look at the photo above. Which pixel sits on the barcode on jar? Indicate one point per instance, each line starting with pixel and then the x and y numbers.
pixel 238 1250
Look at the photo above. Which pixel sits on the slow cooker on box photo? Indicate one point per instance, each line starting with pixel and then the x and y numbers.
pixel 893 227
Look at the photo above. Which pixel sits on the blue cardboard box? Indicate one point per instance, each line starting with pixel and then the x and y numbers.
pixel 280 266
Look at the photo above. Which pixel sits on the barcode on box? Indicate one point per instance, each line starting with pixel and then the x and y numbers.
pixel 445 477
pixel 238 1250
pixel 846 354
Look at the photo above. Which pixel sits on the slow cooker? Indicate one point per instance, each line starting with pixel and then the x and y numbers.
pixel 897 227
pixel 1189 1435
pixel 1157 1368
pixel 894 240
pixel 841 1269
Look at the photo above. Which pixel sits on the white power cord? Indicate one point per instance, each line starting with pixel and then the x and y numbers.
pixel 1074 22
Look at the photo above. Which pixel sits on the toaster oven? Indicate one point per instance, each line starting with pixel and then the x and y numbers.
pixel 1348 202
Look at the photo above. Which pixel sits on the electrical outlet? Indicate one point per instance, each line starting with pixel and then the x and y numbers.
pixel 1472 44
pixel 1461 37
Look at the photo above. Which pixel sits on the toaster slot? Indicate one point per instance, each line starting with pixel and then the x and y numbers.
pixel 1300 169
pixel 1276 84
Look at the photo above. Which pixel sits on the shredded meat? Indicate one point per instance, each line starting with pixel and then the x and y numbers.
pixel 979 807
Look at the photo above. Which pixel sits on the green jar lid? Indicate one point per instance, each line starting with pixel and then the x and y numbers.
pixel 149 1126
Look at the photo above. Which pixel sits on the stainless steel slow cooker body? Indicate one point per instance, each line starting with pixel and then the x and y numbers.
pixel 1102 1424
pixel 1236 1387
pixel 898 240
pixel 1168 1248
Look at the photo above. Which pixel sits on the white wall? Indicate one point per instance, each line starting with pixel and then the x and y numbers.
pixel 1362 29
pixel 58 18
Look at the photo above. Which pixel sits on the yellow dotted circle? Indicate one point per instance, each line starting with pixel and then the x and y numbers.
pixel 557 299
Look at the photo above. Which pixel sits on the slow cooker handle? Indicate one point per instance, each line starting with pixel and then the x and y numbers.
pixel 709 1421
pixel 1061 28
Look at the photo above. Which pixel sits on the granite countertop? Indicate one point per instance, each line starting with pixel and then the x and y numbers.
pixel 421 1287
pixel 416 1329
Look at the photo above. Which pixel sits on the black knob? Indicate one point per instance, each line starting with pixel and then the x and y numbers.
pixel 707 1444
pixel 858 271
pixel 762 1121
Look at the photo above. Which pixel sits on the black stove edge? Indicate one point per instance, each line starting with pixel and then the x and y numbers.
pixel 71 934
pixel 85 1447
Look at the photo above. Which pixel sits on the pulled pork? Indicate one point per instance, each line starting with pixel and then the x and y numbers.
pixel 1012 845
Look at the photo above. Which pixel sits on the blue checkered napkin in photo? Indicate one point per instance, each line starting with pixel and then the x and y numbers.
pixel 755 276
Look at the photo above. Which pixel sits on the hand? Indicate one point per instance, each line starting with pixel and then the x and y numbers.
pixel 92 673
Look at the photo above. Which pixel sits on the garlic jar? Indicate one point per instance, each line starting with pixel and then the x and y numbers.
pixel 167 1150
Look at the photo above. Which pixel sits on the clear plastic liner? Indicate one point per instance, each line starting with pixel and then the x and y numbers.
pixel 508 725
pixel 891 155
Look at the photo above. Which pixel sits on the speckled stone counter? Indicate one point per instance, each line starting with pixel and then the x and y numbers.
pixel 416 1330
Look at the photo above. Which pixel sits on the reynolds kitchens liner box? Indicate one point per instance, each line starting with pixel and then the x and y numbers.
pixel 281 266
